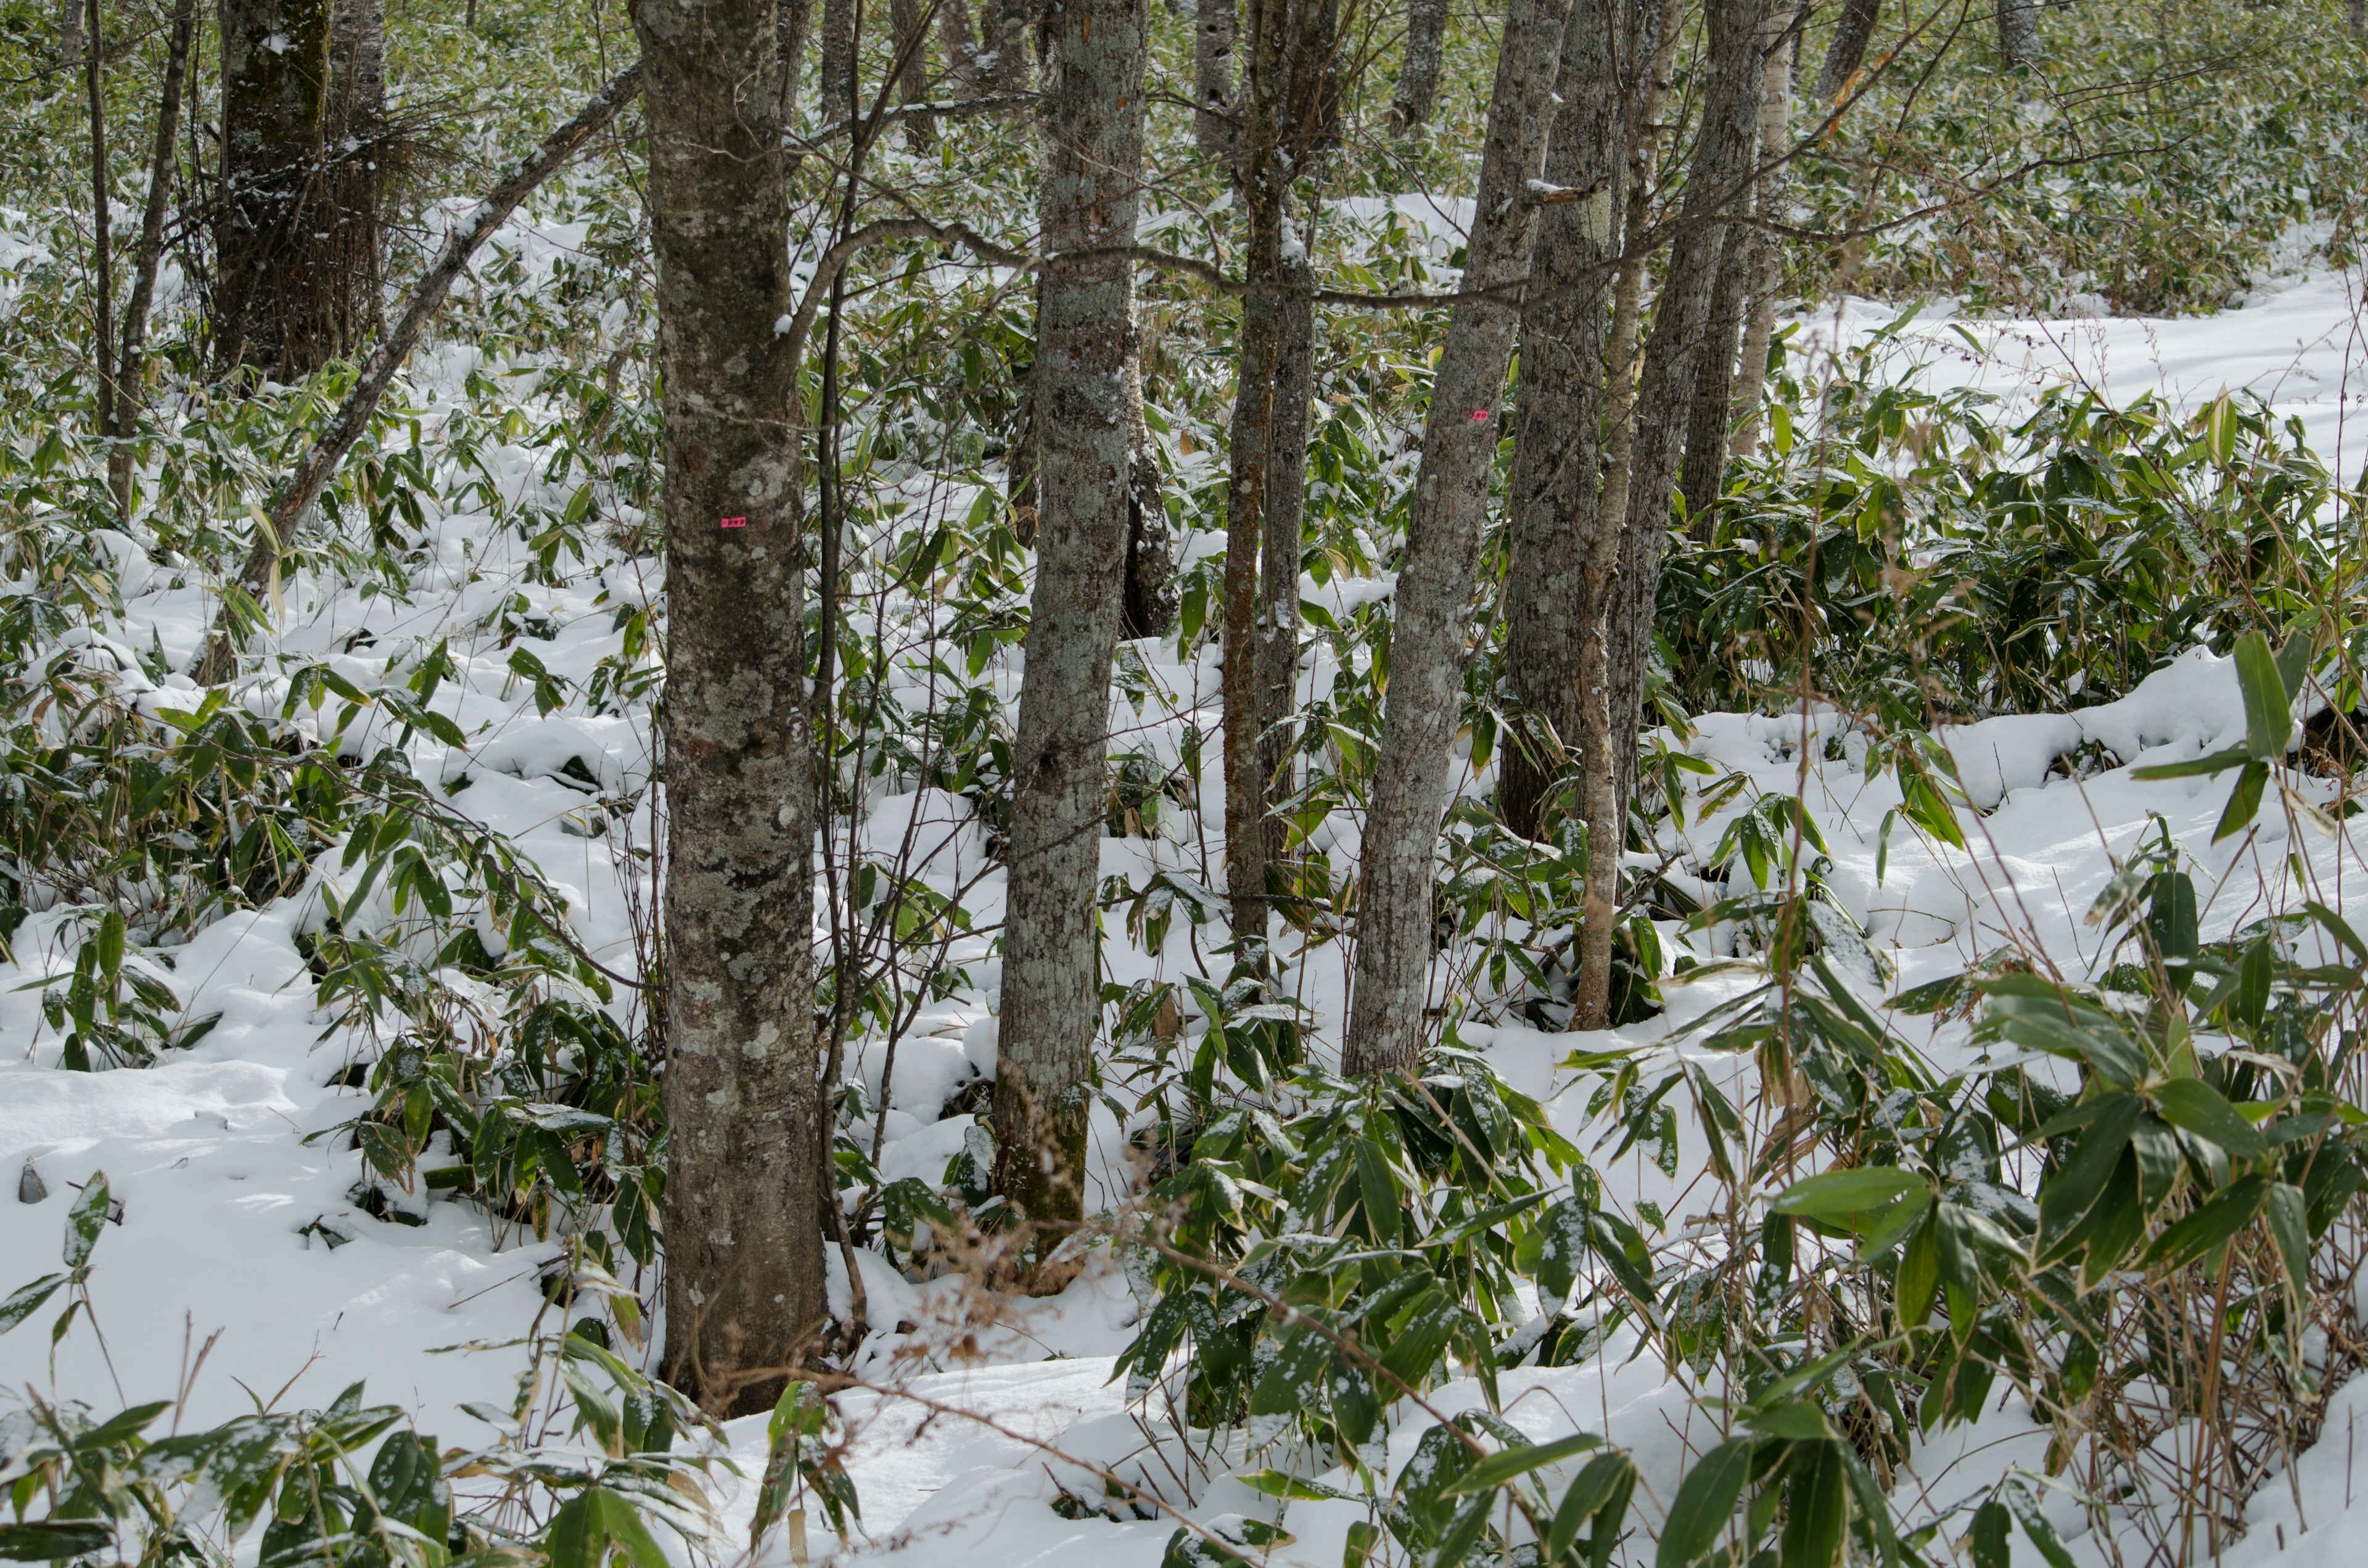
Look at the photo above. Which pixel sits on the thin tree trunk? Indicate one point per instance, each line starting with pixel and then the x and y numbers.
pixel 1646 427
pixel 1846 51
pixel 2018 22
pixel 1091 115
pixel 1773 197
pixel 353 416
pixel 1022 463
pixel 1418 76
pixel 838 61
pixel 1430 627
pixel 129 364
pixel 1722 162
pixel 1552 513
pixel 1214 24
pixel 1263 186
pixel 1286 510
pixel 1147 606
pixel 743 1195
pixel 102 265
pixel 1285 102
pixel 70 34
pixel 910 20
pixel 1708 411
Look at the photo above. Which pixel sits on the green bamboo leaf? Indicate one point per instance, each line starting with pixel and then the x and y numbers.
pixel 1706 1502
pixel 2269 712
pixel 2193 1106
pixel 1834 1194
pixel 1498 1468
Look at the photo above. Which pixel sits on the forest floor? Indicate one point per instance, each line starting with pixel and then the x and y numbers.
pixel 238 1216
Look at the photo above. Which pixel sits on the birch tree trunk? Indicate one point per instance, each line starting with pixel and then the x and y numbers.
pixel 1091 117
pixel 1552 513
pixel 744 1092
pixel 1418 86
pixel 1430 626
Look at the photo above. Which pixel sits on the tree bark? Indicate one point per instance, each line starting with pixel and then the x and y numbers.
pixel 910 22
pixel 1647 427
pixel 958 34
pixel 1147 607
pixel 102 247
pixel 1846 51
pixel 69 33
pixel 353 416
pixel 743 1195
pixel 1557 463
pixel 1772 197
pixel 1418 86
pixel 130 362
pixel 2018 22
pixel 1091 116
pixel 1429 629
pixel 1214 24
pixel 297 237
pixel 1286 103
pixel 838 61
pixel 1011 22
pixel 1709 412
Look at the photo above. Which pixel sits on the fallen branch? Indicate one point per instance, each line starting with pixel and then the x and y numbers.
pixel 355 414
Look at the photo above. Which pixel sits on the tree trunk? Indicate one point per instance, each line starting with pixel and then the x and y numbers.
pixel 69 33
pixel 1847 53
pixel 1091 116
pixel 1647 427
pixel 297 237
pixel 958 34
pixel 1286 512
pixel 1430 627
pixel 1418 76
pixel 1012 20
pixel 130 362
pixel 353 416
pixel 1708 411
pixel 102 247
pixel 1557 463
pixel 1214 24
pixel 1772 198
pixel 839 62
pixel 909 21
pixel 742 1195
pixel 1147 606
pixel 793 20
pixel 2018 22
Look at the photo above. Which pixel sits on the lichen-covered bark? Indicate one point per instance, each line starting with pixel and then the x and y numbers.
pixel 1091 121
pixel 1430 629
pixel 742 1090
pixel 838 61
pixel 1551 513
pixel 1708 414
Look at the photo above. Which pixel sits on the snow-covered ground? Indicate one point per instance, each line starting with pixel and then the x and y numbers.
pixel 958 1456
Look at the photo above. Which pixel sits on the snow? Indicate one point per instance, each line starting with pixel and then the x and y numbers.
pixel 974 1413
